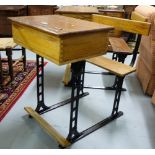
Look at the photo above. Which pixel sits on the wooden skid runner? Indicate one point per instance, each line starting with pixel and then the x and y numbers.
pixel 47 127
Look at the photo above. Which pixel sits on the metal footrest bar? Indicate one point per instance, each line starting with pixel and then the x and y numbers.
pixel 103 73
pixel 97 126
pixel 103 88
pixel 57 105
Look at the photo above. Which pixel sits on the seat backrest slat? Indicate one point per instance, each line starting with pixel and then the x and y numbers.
pixel 127 25
pixel 138 17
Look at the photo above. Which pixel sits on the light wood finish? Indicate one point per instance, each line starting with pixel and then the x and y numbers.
pixel 67 75
pixel 138 17
pixel 119 45
pixel 79 12
pixel 48 128
pixel 59 25
pixel 113 66
pixel 59 38
pixel 113 13
pixel 7 43
pixel 132 26
pixel 85 13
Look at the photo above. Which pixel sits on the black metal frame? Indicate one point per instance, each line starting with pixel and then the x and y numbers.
pixel 135 51
pixel 41 106
pixel 10 61
pixel 121 56
pixel 77 78
pixel 74 135
pixel 113 87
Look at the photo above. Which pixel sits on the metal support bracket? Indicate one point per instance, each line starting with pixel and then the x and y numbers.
pixel 40 84
pixel 78 70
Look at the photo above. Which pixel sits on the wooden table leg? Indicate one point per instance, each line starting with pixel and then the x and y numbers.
pixel 9 55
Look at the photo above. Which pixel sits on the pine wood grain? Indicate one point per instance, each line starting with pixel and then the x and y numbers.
pixel 67 75
pixel 138 17
pixel 75 39
pixel 113 66
pixel 48 128
pixel 60 25
pixel 127 25
pixel 119 45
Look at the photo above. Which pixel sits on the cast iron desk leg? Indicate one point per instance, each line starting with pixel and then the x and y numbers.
pixel 41 107
pixel 78 69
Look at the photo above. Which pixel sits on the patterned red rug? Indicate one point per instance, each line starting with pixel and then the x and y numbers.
pixel 11 92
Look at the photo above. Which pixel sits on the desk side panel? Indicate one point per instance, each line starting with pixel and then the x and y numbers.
pixel 83 46
pixel 37 41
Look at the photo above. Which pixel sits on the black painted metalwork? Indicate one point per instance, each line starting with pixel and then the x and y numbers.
pixel 117 57
pixel 24 57
pixel 104 88
pixel 114 56
pixel 119 83
pixel 135 51
pixel 121 57
pixel 40 84
pixel 74 135
pixel 102 73
pixel 41 107
pixel 57 105
pixel 97 126
pixel 77 78
pixel 113 87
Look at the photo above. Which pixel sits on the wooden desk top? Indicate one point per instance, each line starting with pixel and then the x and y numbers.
pixel 60 25
pixel 77 9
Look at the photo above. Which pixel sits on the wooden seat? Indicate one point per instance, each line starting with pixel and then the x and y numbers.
pixel 119 45
pixel 118 69
pixel 115 67
pixel 136 26
pixel 8 45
